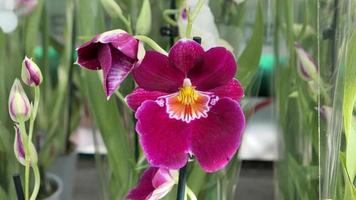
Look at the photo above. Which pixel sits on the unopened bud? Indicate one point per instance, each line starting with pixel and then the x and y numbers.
pixel 19 105
pixel 31 74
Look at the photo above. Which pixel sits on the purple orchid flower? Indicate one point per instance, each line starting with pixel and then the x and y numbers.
pixel 188 104
pixel 154 184
pixel 115 52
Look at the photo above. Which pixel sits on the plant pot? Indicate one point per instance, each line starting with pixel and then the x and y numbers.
pixel 56 183
pixel 65 167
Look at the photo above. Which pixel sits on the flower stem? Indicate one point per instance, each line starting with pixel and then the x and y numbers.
pixel 23 135
pixel 126 22
pixel 192 16
pixel 181 183
pixel 37 182
pixel 151 43
pixel 34 113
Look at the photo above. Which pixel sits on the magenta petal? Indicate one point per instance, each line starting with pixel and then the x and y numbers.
pixel 116 66
pixel 155 74
pixel 216 138
pixel 185 54
pixel 165 141
pixel 145 187
pixel 162 176
pixel 87 55
pixel 121 41
pixel 139 95
pixel 232 89
pixel 217 69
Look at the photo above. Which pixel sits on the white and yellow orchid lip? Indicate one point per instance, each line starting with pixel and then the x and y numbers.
pixel 188 103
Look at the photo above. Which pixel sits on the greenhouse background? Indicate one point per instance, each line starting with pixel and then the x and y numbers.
pixel 78 76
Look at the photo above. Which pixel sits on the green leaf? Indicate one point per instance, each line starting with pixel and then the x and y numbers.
pixel 249 59
pixel 349 100
pixel 350 190
pixel 111 125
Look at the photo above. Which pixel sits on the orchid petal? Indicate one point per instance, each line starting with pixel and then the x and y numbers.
pixel 217 69
pixel 155 74
pixel 216 138
pixel 185 54
pixel 165 141
pixel 139 95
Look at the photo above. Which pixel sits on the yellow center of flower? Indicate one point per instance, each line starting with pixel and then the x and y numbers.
pixel 188 103
pixel 187 95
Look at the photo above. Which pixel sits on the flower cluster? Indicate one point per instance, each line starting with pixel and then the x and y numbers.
pixel 186 103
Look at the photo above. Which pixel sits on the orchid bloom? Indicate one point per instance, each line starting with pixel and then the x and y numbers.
pixel 154 184
pixel 187 103
pixel 115 52
pixel 203 26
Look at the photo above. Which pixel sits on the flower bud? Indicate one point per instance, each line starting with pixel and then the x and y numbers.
pixel 307 68
pixel 31 74
pixel 19 149
pixel 19 105
pixel 143 24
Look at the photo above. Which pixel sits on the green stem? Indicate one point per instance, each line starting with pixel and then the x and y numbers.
pixel 27 158
pixel 37 182
pixel 120 96
pixel 167 16
pixel 34 113
pixel 151 43
pixel 126 22
pixel 191 17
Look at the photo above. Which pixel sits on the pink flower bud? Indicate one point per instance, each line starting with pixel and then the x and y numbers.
pixel 19 105
pixel 31 74
pixel 19 149
pixel 307 68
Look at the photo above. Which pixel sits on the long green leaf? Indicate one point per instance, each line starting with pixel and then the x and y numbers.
pixel 349 100
pixel 249 59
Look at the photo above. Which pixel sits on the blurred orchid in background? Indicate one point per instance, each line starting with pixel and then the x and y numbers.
pixel 8 18
pixel 11 9
pixel 307 68
pixel 188 104
pixel 203 26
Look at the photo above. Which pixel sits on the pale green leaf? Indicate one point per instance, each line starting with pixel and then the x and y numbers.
pixel 248 61
pixel 144 20
pixel 349 100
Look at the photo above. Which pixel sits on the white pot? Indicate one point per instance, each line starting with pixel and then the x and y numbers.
pixel 65 167
pixel 58 184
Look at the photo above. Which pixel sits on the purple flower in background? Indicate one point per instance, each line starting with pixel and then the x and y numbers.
pixel 31 74
pixel 19 105
pixel 115 52
pixel 154 184
pixel 25 7
pixel 19 149
pixel 188 104
pixel 307 68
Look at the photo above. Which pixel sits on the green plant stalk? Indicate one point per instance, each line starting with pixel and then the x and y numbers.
pixel 34 113
pixel 27 158
pixel 151 43
pixel 36 189
pixel 126 22
pixel 191 17
pixel 120 97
